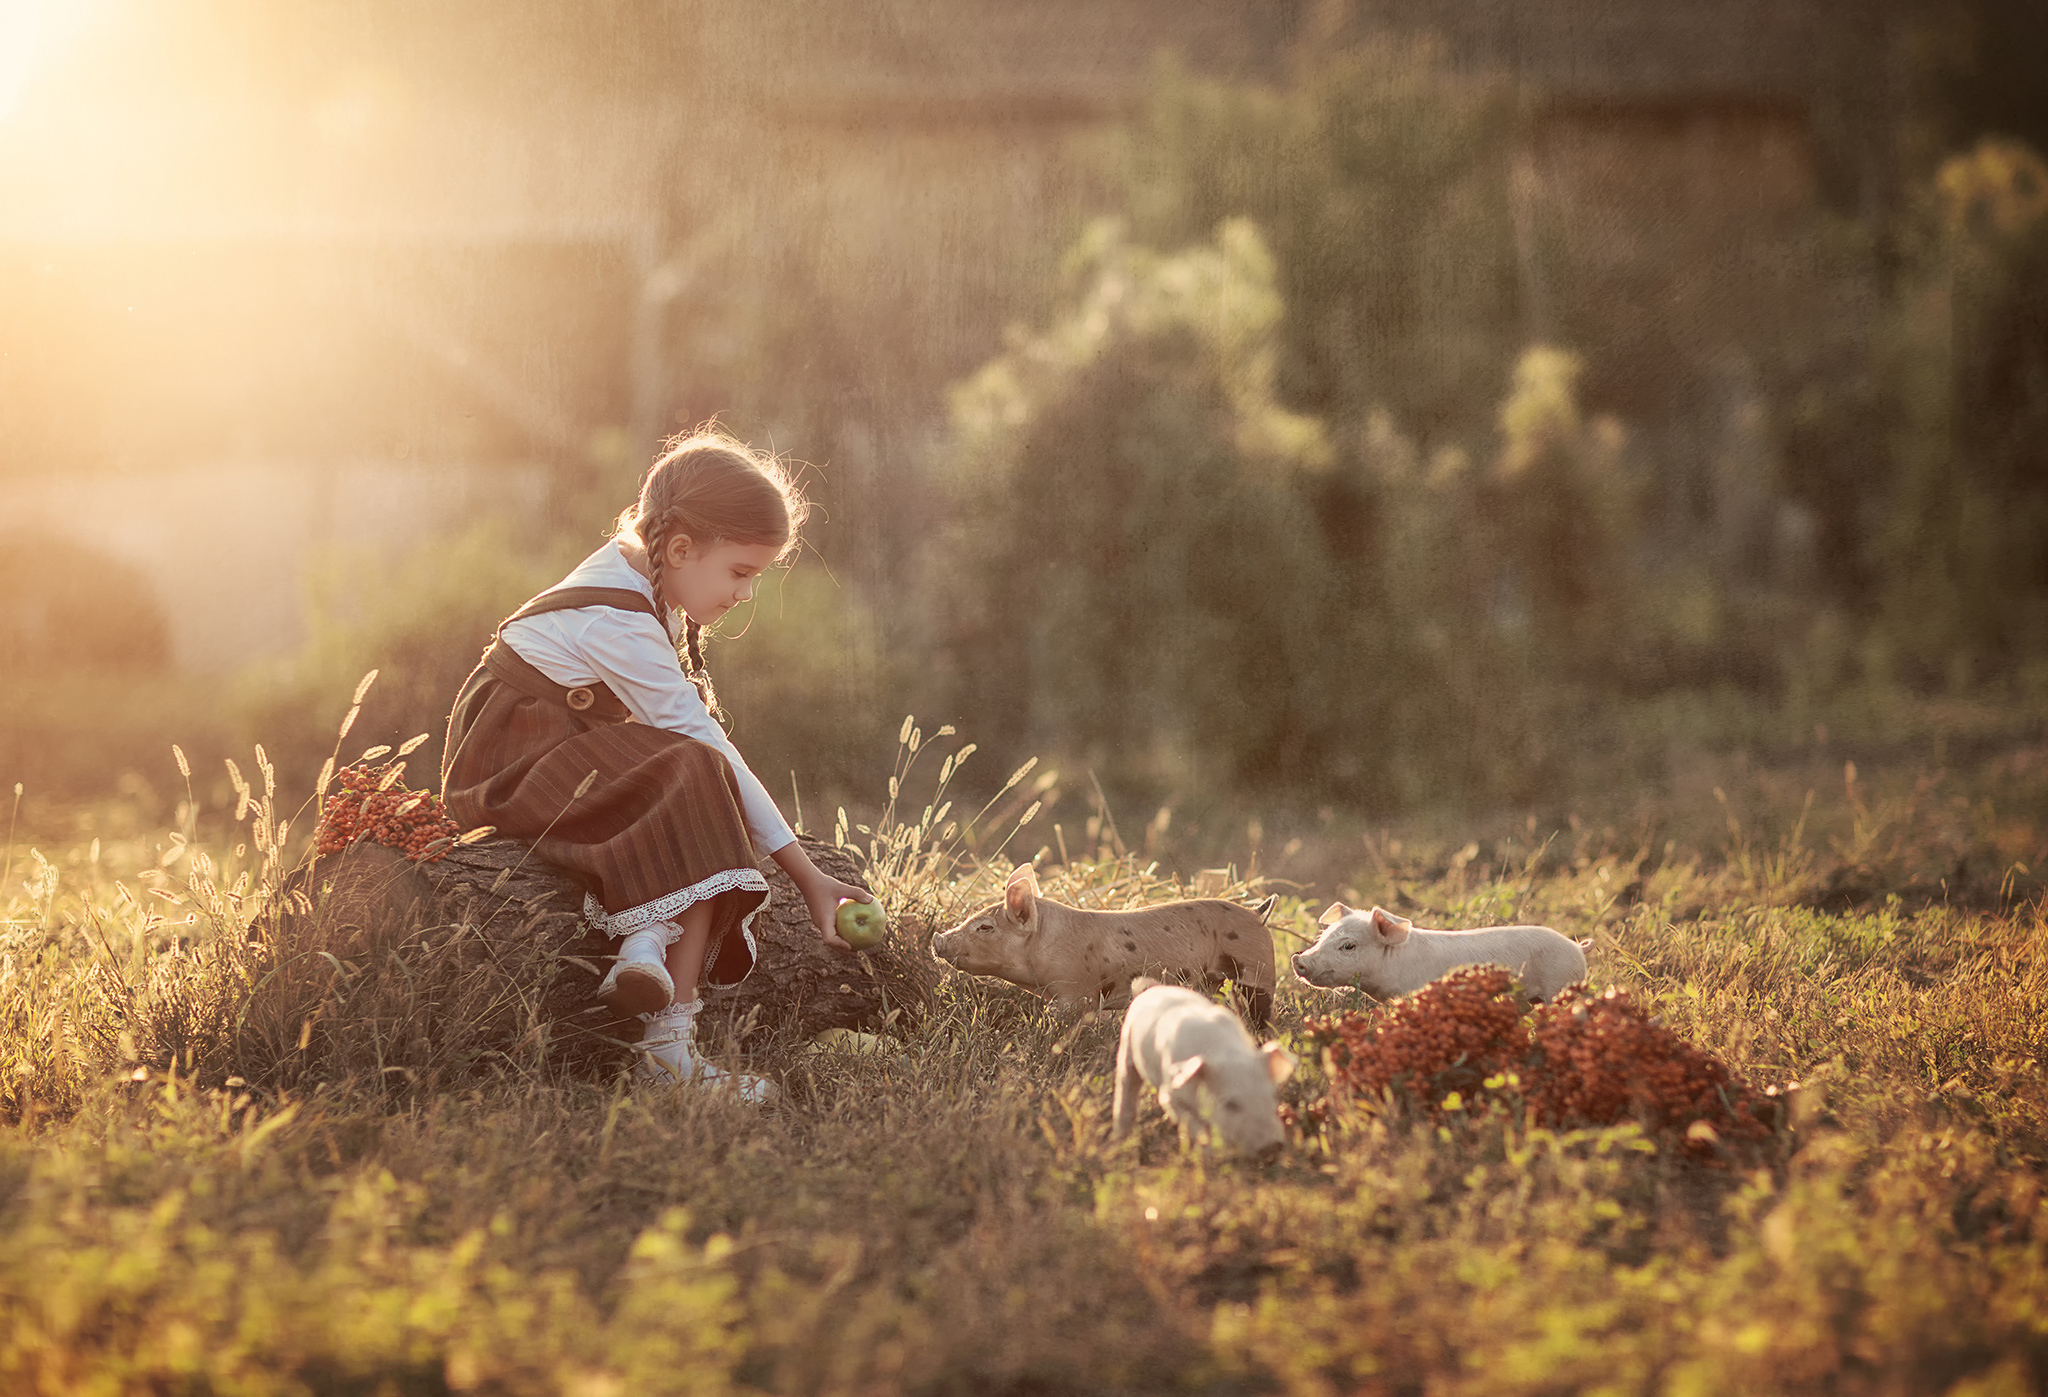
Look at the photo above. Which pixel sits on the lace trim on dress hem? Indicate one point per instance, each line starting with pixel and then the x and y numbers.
pixel 658 914
pixel 664 909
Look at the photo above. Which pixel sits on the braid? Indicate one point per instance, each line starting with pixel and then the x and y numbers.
pixel 661 608
pixel 690 653
pixel 693 651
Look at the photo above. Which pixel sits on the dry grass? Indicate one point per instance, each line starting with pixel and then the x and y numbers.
pixel 951 1216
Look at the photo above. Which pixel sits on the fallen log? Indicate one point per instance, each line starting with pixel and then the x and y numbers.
pixel 379 966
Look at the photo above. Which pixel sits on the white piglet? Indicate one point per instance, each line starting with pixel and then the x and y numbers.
pixel 1210 1076
pixel 1387 956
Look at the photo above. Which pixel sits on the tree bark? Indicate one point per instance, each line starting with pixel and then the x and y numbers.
pixel 485 952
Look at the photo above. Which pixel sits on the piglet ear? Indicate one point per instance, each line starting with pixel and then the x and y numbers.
pixel 1188 1071
pixel 1020 895
pixel 1279 1062
pixel 1335 912
pixel 1390 929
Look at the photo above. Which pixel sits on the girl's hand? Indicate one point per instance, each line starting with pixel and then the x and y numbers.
pixel 821 892
pixel 824 906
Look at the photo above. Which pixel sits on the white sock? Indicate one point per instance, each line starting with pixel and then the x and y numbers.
pixel 647 946
pixel 669 1043
pixel 668 1053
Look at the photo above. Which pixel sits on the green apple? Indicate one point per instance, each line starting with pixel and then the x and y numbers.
pixel 861 924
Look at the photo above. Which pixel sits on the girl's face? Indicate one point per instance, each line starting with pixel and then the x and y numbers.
pixel 707 582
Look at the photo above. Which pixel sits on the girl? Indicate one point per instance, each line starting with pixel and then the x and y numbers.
pixel 581 733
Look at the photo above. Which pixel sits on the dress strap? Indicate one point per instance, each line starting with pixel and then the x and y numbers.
pixel 576 598
pixel 595 702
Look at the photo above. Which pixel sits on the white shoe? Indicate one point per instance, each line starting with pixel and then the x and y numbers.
pixel 668 1056
pixel 639 982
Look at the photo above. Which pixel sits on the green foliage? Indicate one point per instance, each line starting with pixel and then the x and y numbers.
pixel 421 625
pixel 1964 548
pixel 1182 583
pixel 1132 574
pixel 1379 179
pixel 805 685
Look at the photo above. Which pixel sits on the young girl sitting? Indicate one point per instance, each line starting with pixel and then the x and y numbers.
pixel 581 734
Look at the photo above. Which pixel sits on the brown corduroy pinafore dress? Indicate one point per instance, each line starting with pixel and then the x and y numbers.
pixel 660 825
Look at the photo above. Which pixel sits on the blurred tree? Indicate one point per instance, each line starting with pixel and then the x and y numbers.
pixel 1965 546
pixel 1487 616
pixel 1135 572
pixel 1380 180
pixel 1563 513
pixel 1157 569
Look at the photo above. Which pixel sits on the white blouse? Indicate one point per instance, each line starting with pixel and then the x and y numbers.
pixel 632 654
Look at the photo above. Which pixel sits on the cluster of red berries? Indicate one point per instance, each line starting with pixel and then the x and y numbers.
pixel 371 802
pixel 1583 1060
pixel 1449 1036
pixel 1604 1060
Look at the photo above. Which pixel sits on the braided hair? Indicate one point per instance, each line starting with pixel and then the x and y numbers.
pixel 708 487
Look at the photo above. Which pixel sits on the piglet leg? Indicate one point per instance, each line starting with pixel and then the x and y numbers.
pixel 1129 1087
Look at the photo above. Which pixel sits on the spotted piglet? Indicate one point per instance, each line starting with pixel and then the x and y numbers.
pixel 1078 956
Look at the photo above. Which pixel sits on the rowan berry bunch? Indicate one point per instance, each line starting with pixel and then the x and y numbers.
pixel 1449 1036
pixel 1582 1060
pixel 1601 1059
pixel 371 802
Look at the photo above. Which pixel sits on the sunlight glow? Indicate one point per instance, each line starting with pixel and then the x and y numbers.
pixel 20 27
pixel 34 34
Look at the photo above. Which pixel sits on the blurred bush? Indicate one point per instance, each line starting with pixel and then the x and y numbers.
pixel 1488 611
pixel 1963 549
pixel 1380 180
pixel 809 694
pixel 1130 577
pixel 66 606
pixel 804 691
pixel 421 623
pixel 87 695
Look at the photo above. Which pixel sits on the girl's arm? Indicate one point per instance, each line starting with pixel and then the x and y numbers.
pixel 632 655
pixel 821 891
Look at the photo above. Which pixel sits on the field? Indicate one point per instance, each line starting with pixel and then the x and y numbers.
pixel 951 1216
